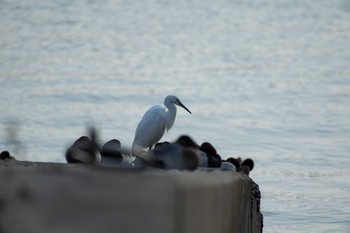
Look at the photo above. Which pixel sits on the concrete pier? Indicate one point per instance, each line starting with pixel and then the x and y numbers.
pixel 58 198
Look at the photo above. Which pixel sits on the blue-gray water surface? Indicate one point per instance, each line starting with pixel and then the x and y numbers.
pixel 264 79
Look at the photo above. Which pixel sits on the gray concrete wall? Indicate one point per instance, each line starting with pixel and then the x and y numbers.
pixel 44 197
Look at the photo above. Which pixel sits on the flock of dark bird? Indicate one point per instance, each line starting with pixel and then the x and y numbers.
pixel 182 154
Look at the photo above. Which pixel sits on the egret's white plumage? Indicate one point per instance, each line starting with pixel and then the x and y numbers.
pixel 156 121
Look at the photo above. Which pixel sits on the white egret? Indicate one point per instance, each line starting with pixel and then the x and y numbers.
pixel 156 121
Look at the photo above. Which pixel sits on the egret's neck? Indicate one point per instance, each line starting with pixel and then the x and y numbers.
pixel 170 114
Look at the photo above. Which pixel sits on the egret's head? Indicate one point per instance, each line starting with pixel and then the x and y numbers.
pixel 174 100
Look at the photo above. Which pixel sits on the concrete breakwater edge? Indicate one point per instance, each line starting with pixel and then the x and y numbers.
pixel 54 197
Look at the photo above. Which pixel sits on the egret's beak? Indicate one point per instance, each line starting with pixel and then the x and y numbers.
pixel 181 105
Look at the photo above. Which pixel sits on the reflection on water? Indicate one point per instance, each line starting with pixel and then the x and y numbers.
pixel 268 80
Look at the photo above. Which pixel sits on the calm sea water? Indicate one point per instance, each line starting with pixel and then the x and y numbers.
pixel 264 79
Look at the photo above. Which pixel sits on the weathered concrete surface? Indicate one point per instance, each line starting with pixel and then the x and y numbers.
pixel 44 197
